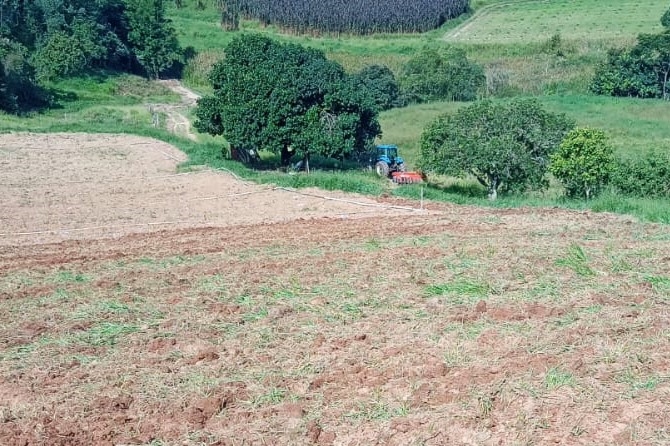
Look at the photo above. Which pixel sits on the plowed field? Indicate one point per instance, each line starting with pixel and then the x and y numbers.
pixel 294 320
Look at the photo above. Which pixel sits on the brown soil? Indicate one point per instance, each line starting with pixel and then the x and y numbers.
pixel 465 326
pixel 65 186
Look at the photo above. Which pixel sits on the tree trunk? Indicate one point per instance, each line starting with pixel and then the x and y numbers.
pixel 306 159
pixel 494 183
pixel 286 155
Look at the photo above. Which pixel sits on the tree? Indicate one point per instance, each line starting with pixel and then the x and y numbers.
pixel 382 86
pixel 642 71
pixel 583 162
pixel 153 39
pixel 286 99
pixel 504 146
pixel 19 90
pixel 448 75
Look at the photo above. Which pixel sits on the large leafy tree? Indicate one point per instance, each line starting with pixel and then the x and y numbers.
pixel 505 146
pixel 286 99
pixel 152 38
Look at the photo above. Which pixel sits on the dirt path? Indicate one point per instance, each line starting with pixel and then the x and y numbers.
pixel 177 120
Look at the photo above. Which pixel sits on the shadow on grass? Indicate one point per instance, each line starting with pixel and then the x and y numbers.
pixel 272 162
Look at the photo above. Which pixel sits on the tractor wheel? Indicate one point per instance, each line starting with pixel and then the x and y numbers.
pixel 382 169
pixel 402 167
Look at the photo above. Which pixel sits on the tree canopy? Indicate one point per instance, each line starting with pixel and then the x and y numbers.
pixel 42 40
pixel 152 37
pixel 441 75
pixel 583 162
pixel 503 145
pixel 286 99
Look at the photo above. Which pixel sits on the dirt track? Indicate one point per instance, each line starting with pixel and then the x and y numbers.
pixel 271 319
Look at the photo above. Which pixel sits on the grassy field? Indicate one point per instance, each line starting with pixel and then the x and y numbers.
pixel 525 21
pixel 121 104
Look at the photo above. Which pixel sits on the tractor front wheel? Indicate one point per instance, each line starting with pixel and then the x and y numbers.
pixel 402 167
pixel 382 169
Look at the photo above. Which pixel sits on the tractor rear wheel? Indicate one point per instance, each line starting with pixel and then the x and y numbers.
pixel 382 169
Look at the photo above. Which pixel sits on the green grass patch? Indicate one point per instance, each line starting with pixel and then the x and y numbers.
pixel 577 261
pixel 460 291
pixel 531 20
pixel 106 333
pixel 556 378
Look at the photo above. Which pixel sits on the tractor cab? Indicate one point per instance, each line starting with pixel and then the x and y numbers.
pixel 388 160
pixel 389 154
pixel 390 165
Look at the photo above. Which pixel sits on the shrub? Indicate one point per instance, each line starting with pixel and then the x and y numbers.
pixel 382 86
pixel 448 75
pixel 583 162
pixel 642 71
pixel 648 176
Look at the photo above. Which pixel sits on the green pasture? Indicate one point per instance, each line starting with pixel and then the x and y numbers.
pixel 525 21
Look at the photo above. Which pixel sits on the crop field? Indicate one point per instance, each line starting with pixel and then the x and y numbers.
pixel 455 325
pixel 536 20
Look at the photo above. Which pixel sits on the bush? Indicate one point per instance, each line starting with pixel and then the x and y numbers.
pixel 448 75
pixel 583 162
pixel 648 176
pixel 382 86
pixel 19 91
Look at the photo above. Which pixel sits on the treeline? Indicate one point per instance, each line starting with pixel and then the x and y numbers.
pixel 43 40
pixel 351 16
pixel 641 71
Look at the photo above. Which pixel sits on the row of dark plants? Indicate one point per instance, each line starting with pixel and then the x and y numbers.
pixel 352 16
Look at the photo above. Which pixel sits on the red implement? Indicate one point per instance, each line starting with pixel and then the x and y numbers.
pixel 406 177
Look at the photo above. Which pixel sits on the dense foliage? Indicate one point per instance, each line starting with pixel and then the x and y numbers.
pixel 381 83
pixel 442 75
pixel 642 71
pixel 43 40
pixel 355 16
pixel 645 176
pixel 503 145
pixel 583 162
pixel 286 99
pixel 152 37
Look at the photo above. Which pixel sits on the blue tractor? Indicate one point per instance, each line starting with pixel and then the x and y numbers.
pixel 388 160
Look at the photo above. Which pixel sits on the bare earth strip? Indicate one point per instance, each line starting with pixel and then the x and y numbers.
pixel 63 186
